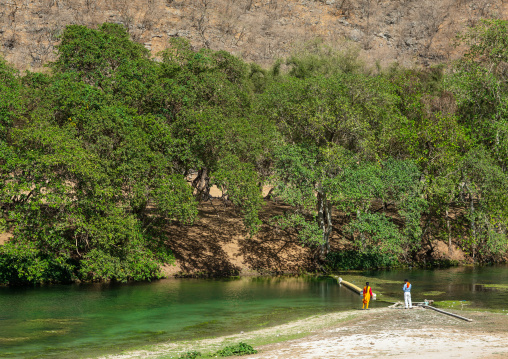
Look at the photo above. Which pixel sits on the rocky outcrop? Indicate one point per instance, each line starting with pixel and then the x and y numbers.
pixel 411 32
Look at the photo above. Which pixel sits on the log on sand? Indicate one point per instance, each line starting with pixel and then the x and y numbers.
pixel 352 287
pixel 447 313
pixel 400 305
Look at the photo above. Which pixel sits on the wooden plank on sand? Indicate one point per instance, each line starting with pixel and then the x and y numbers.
pixel 448 313
pixel 352 287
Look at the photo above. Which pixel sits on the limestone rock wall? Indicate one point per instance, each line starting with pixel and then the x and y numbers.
pixel 412 32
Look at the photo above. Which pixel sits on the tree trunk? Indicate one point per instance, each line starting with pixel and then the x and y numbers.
pixel 202 184
pixel 324 208
pixel 450 249
pixel 473 224
pixel 362 235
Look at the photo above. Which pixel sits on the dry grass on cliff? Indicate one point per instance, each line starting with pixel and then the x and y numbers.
pixel 408 32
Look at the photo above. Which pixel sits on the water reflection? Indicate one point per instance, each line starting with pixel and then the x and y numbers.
pixel 484 287
pixel 67 321
pixel 87 319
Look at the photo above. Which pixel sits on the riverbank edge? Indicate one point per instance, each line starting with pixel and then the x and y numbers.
pixel 294 330
pixel 258 273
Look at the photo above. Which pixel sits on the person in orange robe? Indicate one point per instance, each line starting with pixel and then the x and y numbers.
pixel 367 294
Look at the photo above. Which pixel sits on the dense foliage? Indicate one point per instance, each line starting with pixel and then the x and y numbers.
pixel 95 156
pixel 100 154
pixel 236 350
pixel 228 351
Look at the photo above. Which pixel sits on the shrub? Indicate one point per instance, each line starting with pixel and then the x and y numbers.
pixel 238 349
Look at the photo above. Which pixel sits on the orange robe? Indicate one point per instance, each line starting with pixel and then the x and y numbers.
pixel 367 293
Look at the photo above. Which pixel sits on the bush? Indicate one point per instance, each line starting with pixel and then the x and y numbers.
pixel 238 349
pixel 22 263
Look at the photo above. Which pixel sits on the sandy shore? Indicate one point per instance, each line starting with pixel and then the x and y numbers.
pixel 378 333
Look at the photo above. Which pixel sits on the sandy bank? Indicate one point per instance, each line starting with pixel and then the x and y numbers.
pixel 4 237
pixel 378 333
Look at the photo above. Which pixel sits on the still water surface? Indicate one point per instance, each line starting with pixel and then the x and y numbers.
pixel 77 321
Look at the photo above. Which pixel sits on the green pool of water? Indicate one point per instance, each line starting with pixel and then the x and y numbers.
pixel 87 320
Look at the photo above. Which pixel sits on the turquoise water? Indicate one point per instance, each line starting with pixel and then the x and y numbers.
pixel 86 320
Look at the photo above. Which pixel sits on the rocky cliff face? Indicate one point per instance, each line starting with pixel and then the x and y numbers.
pixel 411 32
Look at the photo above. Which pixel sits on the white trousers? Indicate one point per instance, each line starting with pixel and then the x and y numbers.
pixel 407 300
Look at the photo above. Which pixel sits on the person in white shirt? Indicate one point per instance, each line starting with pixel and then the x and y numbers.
pixel 407 294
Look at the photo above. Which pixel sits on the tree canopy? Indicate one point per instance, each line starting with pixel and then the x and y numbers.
pixel 110 146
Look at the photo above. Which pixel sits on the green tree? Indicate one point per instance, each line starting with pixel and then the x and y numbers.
pixel 335 131
pixel 10 104
pixel 483 187
pixel 210 111
pixel 92 181
pixel 95 55
pixel 478 82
